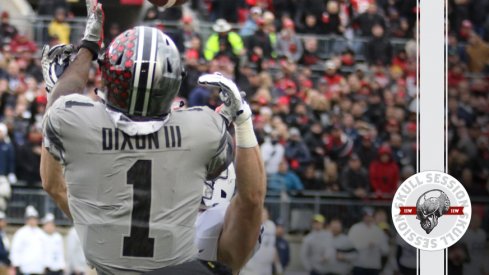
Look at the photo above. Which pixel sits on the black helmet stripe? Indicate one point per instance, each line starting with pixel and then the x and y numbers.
pixel 151 72
pixel 142 71
pixel 137 70
pixel 144 52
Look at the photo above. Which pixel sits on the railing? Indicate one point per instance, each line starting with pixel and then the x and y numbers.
pixel 295 211
pixel 23 196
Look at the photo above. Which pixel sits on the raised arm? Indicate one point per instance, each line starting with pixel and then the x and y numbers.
pixel 243 218
pixel 73 80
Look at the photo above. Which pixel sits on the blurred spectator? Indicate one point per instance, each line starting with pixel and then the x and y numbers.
pixel 284 180
pixel 330 20
pixel 4 246
pixel 313 8
pixel 311 52
pixel 478 53
pixel 199 96
pixel 284 7
pixel 384 173
pixel 399 26
pixel 251 24
pixel 379 47
pixel 76 263
pixel 59 28
pixel 406 257
pixel 399 150
pixel 333 80
pixel 481 165
pixel 458 257
pixel 465 30
pixel 262 261
pixel 370 242
pixel 272 153
pixel 366 20
pixel 173 14
pixel 296 150
pixel 260 44
pixel 195 65
pixel 29 157
pixel 346 253
pixel 5 193
pixel 475 239
pixel 223 41
pixel 315 142
pixel 282 245
pixel 33 74
pixel 354 178
pixel 21 44
pixel 406 172
pixel 310 25
pixel 53 247
pixel 27 252
pixel 189 33
pixel 225 9
pixel 289 45
pixel 7 30
pixel 339 146
pixel 7 155
pixel 313 178
pixel 317 249
pixel 114 31
pixel 300 117
pixel 46 7
pixel 151 14
pixel 249 81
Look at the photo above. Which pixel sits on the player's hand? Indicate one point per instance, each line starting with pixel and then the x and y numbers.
pixel 235 108
pixel 56 57
pixel 94 30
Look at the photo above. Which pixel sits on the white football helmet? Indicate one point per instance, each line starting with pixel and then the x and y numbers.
pixel 220 189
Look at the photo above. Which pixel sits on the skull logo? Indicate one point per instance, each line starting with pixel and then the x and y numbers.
pixel 430 206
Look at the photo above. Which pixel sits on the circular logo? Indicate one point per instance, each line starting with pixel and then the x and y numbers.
pixel 431 210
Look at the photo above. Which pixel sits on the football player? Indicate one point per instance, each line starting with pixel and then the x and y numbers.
pixel 217 193
pixel 134 169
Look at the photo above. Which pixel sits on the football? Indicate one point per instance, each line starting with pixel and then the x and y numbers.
pixel 167 3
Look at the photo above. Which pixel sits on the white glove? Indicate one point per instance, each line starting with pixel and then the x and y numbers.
pixel 235 108
pixel 94 30
pixel 54 61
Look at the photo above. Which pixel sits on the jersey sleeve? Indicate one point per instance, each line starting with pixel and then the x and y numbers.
pixel 224 154
pixel 52 136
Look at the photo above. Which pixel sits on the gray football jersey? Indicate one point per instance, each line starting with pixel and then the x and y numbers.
pixel 134 199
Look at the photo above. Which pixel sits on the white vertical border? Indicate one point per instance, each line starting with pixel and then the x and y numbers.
pixel 431 108
pixel 445 33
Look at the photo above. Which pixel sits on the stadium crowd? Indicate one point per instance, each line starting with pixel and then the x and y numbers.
pixel 332 85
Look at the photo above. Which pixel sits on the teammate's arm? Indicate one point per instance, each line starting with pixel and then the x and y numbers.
pixel 243 217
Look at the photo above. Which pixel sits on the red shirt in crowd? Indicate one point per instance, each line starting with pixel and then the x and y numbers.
pixel 22 44
pixel 334 84
pixel 384 175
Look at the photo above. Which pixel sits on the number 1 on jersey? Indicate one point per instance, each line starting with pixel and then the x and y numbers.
pixel 138 243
